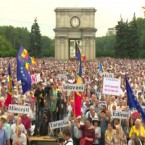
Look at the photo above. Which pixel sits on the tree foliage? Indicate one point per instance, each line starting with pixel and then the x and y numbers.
pixel 47 46
pixel 35 40
pixel 6 48
pixel 141 28
pixel 21 36
pixel 121 44
pixel 105 46
pixel 127 39
pixel 16 36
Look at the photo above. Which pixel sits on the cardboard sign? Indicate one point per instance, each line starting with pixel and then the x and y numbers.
pixel 19 109
pixel 38 78
pixel 107 75
pixel 111 86
pixel 35 78
pixel 74 87
pixel 58 124
pixel 120 114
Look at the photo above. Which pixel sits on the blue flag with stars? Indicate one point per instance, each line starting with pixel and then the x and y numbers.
pixel 132 100
pixel 24 76
pixel 80 68
pixel 78 53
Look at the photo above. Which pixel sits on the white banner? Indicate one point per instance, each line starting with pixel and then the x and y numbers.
pixel 19 109
pixel 35 78
pixel 120 114
pixel 58 124
pixel 62 76
pixel 74 87
pixel 38 77
pixel 107 75
pixel 111 86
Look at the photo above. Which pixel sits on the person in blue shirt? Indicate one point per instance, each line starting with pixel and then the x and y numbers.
pixel 4 139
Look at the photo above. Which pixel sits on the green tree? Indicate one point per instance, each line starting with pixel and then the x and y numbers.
pixel 47 46
pixel 121 44
pixel 133 39
pixel 16 36
pixel 6 49
pixel 127 39
pixel 105 46
pixel 141 28
pixel 35 40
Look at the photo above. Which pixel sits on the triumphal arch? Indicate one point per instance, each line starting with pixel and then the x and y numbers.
pixel 75 25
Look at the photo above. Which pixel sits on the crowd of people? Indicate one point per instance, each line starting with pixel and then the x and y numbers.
pixel 49 103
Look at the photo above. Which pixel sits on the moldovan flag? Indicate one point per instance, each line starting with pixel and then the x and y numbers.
pixel 77 104
pixel 33 60
pixel 78 95
pixel 83 58
pixel 77 99
pixel 10 88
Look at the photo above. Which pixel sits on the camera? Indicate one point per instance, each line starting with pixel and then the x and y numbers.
pixel 60 140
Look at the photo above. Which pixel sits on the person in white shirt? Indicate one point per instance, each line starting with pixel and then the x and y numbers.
pixel 14 126
pixel 67 137
pixel 19 137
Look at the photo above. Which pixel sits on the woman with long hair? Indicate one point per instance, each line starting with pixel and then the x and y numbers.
pixel 109 135
pixel 119 137
pixel 88 132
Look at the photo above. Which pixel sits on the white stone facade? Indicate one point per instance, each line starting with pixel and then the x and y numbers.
pixel 85 31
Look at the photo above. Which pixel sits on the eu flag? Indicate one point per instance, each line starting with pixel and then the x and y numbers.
pixel 29 60
pixel 80 68
pixel 79 58
pixel 24 76
pixel 132 100
pixel 78 53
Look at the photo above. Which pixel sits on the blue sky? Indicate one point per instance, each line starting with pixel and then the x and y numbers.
pixel 23 12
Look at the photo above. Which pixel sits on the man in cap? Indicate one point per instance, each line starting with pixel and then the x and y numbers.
pixel 6 125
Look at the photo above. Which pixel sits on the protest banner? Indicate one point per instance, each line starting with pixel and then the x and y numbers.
pixel 107 75
pixel 74 87
pixel 19 109
pixel 58 124
pixel 35 78
pixel 38 78
pixel 120 114
pixel 111 86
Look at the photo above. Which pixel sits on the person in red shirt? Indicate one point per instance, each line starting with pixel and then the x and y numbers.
pixel 88 132
pixel 26 121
